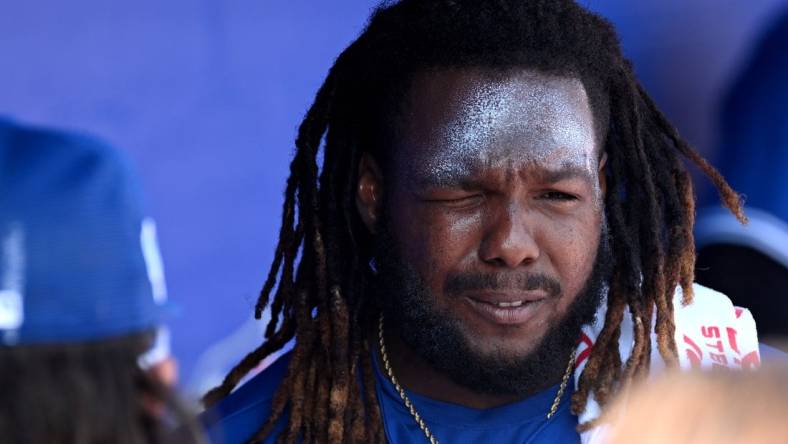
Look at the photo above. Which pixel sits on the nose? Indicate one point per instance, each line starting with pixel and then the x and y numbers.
pixel 509 240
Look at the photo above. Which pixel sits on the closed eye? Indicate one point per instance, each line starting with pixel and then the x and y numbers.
pixel 462 201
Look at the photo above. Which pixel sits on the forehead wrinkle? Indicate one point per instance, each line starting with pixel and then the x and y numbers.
pixel 506 173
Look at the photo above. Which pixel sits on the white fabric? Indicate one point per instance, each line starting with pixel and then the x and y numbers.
pixel 710 332
pixel 153 263
pixel 158 352
pixel 12 280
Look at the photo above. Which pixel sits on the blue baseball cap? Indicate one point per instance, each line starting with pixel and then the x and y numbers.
pixel 79 260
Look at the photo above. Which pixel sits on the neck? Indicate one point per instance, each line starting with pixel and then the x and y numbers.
pixel 414 373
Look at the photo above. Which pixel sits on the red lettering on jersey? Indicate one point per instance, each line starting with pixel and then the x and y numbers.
pixel 718 346
pixel 710 332
pixel 719 359
pixel 584 339
pixel 732 340
pixel 751 361
pixel 695 354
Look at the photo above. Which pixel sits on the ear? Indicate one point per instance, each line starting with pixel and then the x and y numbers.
pixel 369 191
pixel 601 174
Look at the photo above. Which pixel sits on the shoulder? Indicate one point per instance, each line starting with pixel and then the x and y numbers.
pixel 709 305
pixel 711 331
pixel 235 418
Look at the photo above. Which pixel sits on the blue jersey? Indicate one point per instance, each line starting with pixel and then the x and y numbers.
pixel 236 418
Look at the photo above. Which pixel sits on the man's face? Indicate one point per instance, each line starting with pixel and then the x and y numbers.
pixel 494 201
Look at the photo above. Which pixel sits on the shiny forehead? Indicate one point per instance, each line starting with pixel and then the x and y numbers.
pixel 459 120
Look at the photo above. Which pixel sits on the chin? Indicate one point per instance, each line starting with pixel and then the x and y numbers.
pixel 518 331
pixel 510 342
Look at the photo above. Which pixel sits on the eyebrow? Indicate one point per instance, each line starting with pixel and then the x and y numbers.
pixel 447 180
pixel 564 173
pixel 464 180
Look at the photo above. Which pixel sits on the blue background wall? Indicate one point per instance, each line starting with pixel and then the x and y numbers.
pixel 205 97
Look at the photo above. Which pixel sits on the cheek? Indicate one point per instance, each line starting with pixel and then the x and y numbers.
pixel 436 241
pixel 571 247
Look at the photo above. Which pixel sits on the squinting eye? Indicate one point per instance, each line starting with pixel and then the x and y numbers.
pixel 557 195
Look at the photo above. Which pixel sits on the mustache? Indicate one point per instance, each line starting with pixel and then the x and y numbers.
pixel 462 282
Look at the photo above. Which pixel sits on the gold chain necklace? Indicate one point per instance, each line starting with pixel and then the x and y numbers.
pixel 412 409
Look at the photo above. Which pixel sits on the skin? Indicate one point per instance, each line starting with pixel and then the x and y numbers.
pixel 499 174
pixel 166 373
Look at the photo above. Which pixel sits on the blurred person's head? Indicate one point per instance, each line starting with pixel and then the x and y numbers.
pixel 750 263
pixel 84 355
pixel 713 407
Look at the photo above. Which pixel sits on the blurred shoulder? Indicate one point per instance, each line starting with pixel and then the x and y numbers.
pixel 235 418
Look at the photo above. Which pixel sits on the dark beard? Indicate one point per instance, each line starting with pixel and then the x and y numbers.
pixel 409 306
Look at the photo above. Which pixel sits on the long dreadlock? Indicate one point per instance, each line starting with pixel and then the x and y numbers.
pixel 321 260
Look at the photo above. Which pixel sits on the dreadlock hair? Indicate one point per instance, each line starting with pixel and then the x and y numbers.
pixel 323 251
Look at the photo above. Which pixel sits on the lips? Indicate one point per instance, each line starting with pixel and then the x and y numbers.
pixel 507 299
pixel 509 304
pixel 507 309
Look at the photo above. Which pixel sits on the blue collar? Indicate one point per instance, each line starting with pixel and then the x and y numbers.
pixel 531 409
